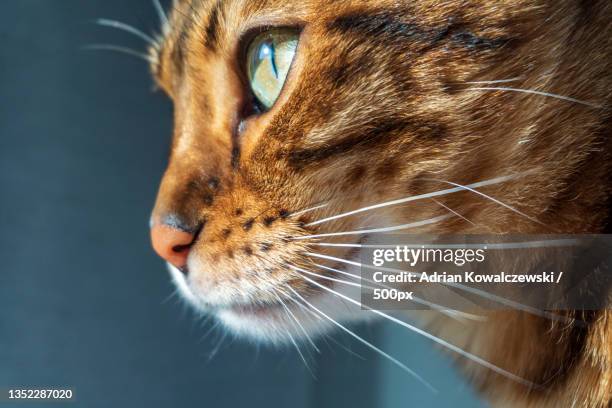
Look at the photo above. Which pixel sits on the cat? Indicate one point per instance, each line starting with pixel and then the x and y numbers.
pixel 294 120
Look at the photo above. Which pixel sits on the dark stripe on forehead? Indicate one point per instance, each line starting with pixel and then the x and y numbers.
pixel 378 26
pixel 212 28
pixel 184 28
pixel 189 22
pixel 375 135
pixel 178 50
pixel 392 28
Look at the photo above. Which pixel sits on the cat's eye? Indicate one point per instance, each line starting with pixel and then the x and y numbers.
pixel 269 57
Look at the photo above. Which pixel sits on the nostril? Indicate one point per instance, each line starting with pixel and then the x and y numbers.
pixel 183 252
pixel 181 248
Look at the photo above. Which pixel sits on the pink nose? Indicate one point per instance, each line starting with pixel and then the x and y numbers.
pixel 171 244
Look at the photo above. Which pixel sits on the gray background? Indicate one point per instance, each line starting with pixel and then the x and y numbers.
pixel 83 142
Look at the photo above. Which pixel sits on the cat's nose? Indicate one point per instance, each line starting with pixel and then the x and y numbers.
pixel 172 244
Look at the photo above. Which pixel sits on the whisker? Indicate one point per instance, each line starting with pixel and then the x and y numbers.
pixel 481 293
pixel 468 188
pixel 452 211
pixel 175 293
pixel 463 316
pixel 120 49
pixel 215 350
pixel 430 336
pixel 531 91
pixel 325 337
pixel 343 273
pixel 329 244
pixel 333 258
pixel 105 22
pixel 365 342
pixel 210 330
pixel 300 353
pixel 163 17
pixel 298 213
pixel 496 81
pixel 288 296
pixel 489 182
pixel 290 313
pixel 342 346
pixel 452 313
pixel 384 229
pixel 507 245
pixel 329 278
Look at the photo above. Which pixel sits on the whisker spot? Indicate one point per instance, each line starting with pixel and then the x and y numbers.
pixel 248 224
pixel 269 220
pixel 213 183
pixel 208 199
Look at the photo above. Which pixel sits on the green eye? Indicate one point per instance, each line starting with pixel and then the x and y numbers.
pixel 269 58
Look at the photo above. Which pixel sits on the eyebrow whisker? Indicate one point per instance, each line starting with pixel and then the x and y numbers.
pixel 105 22
pixel 120 49
pixel 163 17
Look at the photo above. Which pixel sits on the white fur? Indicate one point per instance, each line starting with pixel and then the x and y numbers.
pixel 275 326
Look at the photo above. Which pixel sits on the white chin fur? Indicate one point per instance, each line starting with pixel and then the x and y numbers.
pixel 181 284
pixel 276 326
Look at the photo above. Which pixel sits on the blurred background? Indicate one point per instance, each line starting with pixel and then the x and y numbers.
pixel 84 302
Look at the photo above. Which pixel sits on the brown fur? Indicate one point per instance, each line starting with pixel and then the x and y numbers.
pixel 375 107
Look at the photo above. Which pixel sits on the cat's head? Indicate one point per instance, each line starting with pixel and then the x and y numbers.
pixel 290 116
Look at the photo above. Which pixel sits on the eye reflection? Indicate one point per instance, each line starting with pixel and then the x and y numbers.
pixel 269 59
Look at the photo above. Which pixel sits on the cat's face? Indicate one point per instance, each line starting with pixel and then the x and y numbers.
pixel 381 101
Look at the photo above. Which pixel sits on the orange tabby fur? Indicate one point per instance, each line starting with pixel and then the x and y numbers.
pixel 377 105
